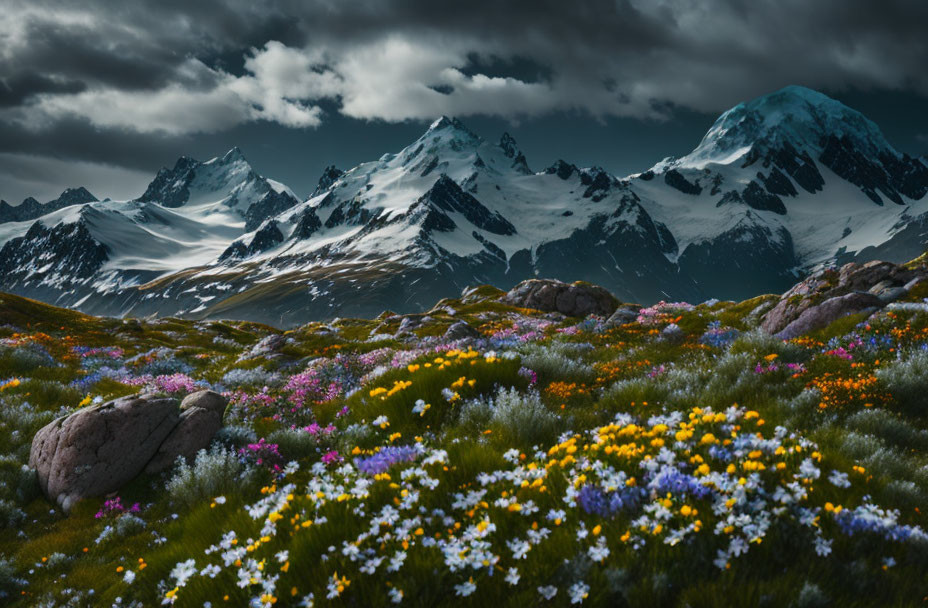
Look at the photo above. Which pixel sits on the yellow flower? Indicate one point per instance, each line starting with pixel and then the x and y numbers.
pixel 771 356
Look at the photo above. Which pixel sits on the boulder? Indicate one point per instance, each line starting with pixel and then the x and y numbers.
pixel 673 334
pixel 574 299
pixel 622 315
pixel 200 419
pixel 884 280
pixel 821 315
pixel 461 331
pixel 267 347
pixel 97 450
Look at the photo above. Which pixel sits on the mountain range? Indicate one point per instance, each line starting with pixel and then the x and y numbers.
pixel 779 186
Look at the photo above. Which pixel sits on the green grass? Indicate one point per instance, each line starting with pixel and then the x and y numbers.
pixel 584 380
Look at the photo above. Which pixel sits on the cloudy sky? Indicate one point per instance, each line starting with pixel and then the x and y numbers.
pixel 102 93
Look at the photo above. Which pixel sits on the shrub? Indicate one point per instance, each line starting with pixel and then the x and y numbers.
pixel 10 514
pixel 256 377
pixel 520 417
pixel 889 427
pixel 213 473
pixel 235 436
pixel 294 444
pixel 558 360
pixel 128 524
pixel 24 359
pixel 907 381
pixel 759 343
pixel 9 581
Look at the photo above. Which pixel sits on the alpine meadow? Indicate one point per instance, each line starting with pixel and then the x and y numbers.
pixel 610 303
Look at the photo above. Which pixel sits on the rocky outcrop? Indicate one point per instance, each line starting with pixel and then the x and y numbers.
pixel 99 449
pixel 627 313
pixel 461 330
pixel 874 283
pixel 832 309
pixel 267 347
pixel 572 299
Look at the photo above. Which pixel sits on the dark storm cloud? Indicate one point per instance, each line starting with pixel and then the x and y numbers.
pixel 18 88
pixel 124 82
pixel 678 51
pixel 77 139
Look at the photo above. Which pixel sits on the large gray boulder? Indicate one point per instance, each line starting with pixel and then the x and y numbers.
pixel 200 419
pixel 821 315
pixel 99 449
pixel 571 299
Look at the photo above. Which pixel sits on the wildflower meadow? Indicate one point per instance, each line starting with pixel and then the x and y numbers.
pixel 550 461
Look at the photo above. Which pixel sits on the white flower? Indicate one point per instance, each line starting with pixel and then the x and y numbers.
pixel 512 576
pixel 578 592
pixel 381 421
pixel 822 546
pixel 396 595
pixel 220 500
pixel 599 552
pixel 396 562
pixel 211 571
pixel 511 456
pixel 183 571
pixel 837 478
pixel 548 592
pixel 465 588
pixel 128 577
pixel 558 516
pixel 519 548
pixel 808 470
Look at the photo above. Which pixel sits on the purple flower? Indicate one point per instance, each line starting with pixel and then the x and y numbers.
pixel 596 501
pixel 387 457
pixel 331 457
pixel 529 375
pixel 114 506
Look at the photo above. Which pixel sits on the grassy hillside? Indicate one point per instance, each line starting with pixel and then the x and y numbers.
pixel 554 461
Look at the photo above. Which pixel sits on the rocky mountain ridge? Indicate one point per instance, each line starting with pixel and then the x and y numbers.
pixel 779 186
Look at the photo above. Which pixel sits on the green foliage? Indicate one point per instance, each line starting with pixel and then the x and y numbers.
pixel 510 399
pixel 214 472
pixel 907 382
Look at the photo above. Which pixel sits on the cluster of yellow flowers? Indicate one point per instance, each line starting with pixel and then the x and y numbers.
pixel 383 392
pixel 10 384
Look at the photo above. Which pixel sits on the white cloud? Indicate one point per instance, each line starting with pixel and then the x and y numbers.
pixel 384 61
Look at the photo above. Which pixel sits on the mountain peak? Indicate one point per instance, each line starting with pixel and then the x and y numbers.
pixel 509 146
pixel 76 196
pixel 329 176
pixel 233 155
pixel 451 125
pixel 795 115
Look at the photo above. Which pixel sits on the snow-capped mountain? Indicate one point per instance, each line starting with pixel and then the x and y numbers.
pixel 31 209
pixel 783 183
pixel 777 186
